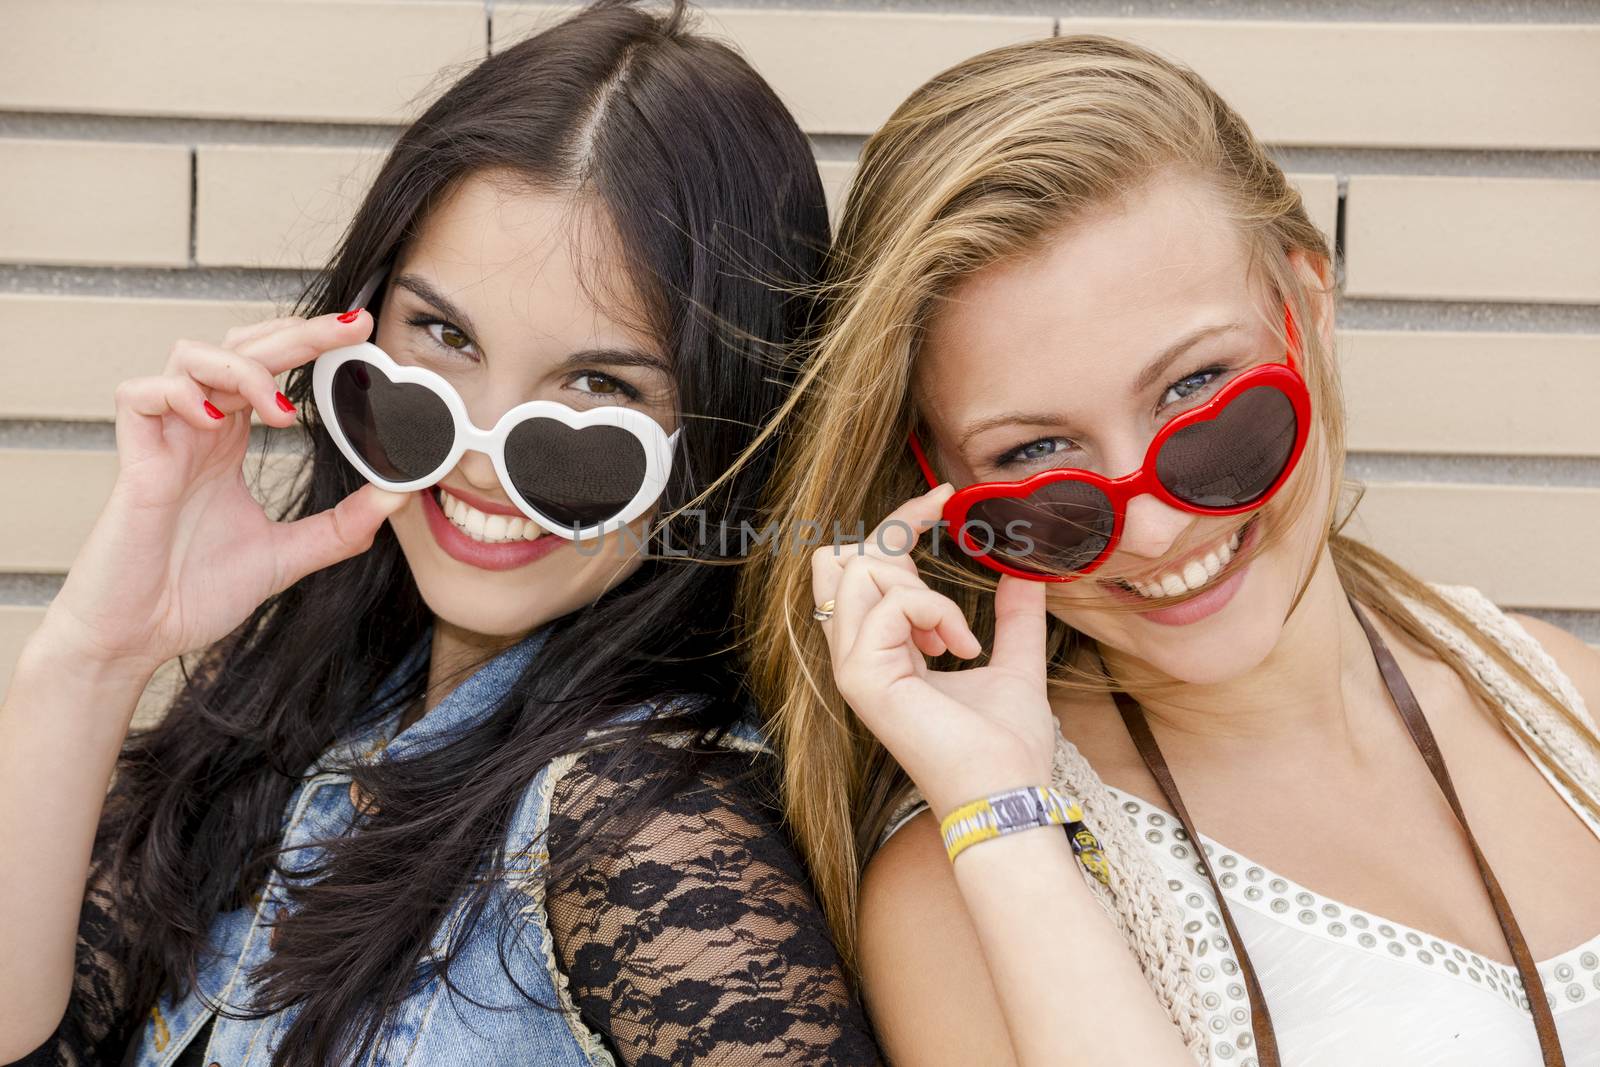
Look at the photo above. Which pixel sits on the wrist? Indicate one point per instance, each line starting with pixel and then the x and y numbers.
pixel 61 647
pixel 947 796
pixel 1006 812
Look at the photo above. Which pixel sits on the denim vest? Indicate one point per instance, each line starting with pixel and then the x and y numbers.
pixel 431 1026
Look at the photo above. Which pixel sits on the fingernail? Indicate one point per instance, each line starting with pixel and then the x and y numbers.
pixel 283 402
pixel 213 410
pixel 350 316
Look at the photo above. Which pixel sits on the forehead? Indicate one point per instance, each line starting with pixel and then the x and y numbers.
pixel 547 262
pixel 1091 306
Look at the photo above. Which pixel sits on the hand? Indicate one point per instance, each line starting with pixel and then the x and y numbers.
pixel 182 553
pixel 959 734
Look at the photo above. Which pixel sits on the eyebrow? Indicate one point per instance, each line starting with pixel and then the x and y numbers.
pixel 1147 377
pixel 424 288
pixel 616 357
pixel 1158 366
pixel 609 357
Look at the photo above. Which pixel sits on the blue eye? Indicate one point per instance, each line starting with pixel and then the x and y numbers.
pixel 1033 451
pixel 1187 387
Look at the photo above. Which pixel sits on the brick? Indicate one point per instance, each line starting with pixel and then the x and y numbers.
pixel 277 206
pixel 1438 391
pixel 1390 84
pixel 1434 238
pixel 98 203
pixel 379 61
pixel 1521 545
pixel 94 342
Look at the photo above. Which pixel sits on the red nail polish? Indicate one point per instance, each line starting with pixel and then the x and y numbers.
pixel 350 316
pixel 213 410
pixel 283 402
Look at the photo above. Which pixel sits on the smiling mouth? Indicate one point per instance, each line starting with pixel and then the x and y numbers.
pixel 479 526
pixel 1198 573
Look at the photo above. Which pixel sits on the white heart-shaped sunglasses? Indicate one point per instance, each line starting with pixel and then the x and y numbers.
pixel 578 474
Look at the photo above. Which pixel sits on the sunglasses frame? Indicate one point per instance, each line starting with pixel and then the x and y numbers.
pixel 1284 377
pixel 658 445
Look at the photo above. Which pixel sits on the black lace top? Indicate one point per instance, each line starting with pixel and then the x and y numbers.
pixel 693 939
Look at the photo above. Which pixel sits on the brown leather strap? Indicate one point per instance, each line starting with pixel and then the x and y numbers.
pixel 1544 1021
pixel 1417 725
pixel 1266 1049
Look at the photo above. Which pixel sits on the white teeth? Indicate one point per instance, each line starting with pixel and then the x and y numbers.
pixel 1195 573
pixel 490 529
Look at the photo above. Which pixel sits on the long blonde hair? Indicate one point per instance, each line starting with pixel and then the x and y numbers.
pixel 985 162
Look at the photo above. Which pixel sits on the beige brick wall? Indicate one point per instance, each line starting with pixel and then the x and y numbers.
pixel 170 169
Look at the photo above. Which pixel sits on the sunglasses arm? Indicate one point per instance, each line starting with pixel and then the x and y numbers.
pixel 375 279
pixel 922 460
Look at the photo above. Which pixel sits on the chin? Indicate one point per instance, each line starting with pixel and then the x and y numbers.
pixel 1215 649
pixel 1214 653
pixel 506 603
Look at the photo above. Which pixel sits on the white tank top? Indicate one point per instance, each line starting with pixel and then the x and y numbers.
pixel 1348 988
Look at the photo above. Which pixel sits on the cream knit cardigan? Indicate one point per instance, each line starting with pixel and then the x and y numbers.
pixel 1137 900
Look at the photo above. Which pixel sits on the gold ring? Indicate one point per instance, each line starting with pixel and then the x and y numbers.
pixel 823 611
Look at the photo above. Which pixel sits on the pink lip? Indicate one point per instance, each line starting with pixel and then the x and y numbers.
pixel 501 557
pixel 1208 603
pixel 488 507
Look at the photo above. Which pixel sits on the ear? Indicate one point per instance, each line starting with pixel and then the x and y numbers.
pixel 1317 273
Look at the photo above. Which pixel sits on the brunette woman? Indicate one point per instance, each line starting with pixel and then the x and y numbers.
pixel 464 774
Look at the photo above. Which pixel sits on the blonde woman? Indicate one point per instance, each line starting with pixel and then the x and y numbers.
pixel 1073 294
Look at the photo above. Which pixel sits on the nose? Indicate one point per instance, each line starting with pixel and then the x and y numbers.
pixel 486 400
pixel 477 469
pixel 1151 527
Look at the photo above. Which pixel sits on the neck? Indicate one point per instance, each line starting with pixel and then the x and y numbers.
pixel 1307 694
pixel 454 654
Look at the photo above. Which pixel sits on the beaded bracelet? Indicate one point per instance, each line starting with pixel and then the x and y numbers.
pixel 1023 809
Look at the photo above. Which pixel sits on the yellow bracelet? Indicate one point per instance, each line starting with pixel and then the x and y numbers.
pixel 1003 813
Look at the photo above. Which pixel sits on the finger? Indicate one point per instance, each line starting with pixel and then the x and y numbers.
pixel 344 530
pixel 826 571
pixel 1019 626
pixel 240 382
pixel 166 394
pixel 891 621
pixel 862 582
pixel 304 341
pixel 898 533
pixel 868 583
pixel 238 335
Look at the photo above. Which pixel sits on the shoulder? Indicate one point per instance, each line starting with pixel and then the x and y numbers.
pixel 1556 658
pixel 662 786
pixel 908 878
pixel 1577 660
pixel 682 916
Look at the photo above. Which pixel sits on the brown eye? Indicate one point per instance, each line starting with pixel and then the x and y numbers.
pixel 444 335
pixel 599 384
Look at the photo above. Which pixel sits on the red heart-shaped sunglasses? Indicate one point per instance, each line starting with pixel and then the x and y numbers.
pixel 1227 456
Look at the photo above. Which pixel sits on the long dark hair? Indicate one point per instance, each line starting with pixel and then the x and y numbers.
pixel 714 194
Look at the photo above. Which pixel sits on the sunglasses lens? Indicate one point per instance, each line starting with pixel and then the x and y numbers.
pixel 402 430
pixel 1057 529
pixel 1233 459
pixel 578 477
